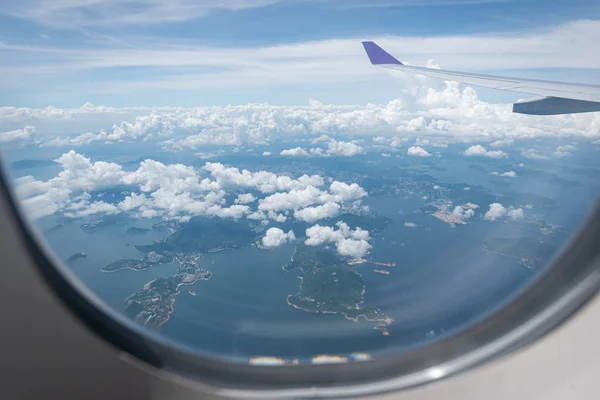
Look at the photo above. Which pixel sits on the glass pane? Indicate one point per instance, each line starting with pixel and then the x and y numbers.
pixel 252 188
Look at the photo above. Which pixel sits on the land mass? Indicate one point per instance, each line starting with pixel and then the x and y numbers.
pixel 530 252
pixel 330 286
pixel 152 305
pixel 76 256
pixel 204 235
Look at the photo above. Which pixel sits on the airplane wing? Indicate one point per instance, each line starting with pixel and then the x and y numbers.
pixel 557 97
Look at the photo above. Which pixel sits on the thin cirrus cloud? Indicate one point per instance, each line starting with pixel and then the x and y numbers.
pixel 69 14
pixel 178 66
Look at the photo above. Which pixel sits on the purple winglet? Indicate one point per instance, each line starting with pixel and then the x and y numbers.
pixel 378 56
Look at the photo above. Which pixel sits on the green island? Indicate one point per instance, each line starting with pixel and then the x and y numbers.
pixel 150 260
pixel 530 252
pixel 76 256
pixel 152 305
pixel 330 286
pixel 96 225
pixel 204 235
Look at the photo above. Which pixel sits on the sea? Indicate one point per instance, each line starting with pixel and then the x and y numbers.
pixel 442 281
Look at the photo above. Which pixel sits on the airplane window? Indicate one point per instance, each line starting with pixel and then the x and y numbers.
pixel 244 182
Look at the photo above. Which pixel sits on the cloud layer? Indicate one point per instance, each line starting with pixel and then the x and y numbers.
pixel 180 192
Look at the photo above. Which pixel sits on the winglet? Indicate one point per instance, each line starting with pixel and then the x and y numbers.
pixel 379 56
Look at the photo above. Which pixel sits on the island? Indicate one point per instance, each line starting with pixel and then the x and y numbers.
pixel 329 286
pixel 152 305
pixel 96 225
pixel 531 253
pixel 204 235
pixel 76 256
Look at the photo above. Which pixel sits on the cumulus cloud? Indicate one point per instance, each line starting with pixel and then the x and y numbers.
pixel 266 182
pixel 334 148
pixel 418 152
pixel 17 135
pixel 439 117
pixel 462 213
pixel 502 143
pixel 297 199
pixel 480 151
pixel 497 211
pixel 313 214
pixel 245 198
pixel 295 152
pixel 516 214
pixel 266 153
pixel 180 192
pixel 533 154
pixel 410 225
pixel 154 125
pixel 352 243
pixel 508 174
pixel 564 151
pixel 275 237
pixel 344 149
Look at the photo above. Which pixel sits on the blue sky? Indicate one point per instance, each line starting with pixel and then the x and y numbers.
pixel 150 52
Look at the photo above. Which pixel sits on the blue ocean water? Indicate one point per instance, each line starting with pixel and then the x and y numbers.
pixel 442 280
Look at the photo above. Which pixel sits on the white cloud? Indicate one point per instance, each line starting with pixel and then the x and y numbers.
pixel 508 174
pixel 313 214
pixel 17 135
pixel 345 192
pixel 503 143
pixel 275 237
pixel 353 248
pixel 418 151
pixel 344 149
pixel 449 115
pixel 462 213
pixel 480 151
pixel 266 182
pixel 266 153
pixel 410 225
pixel 498 211
pixel 179 192
pixel 334 148
pixel 245 198
pixel 352 243
pixel 322 138
pixel 296 199
pixel 296 152
pixel 385 155
pixel 564 151
pixel 153 125
pixel 516 214
pixel 533 154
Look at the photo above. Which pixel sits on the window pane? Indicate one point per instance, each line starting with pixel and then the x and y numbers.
pixel 253 189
